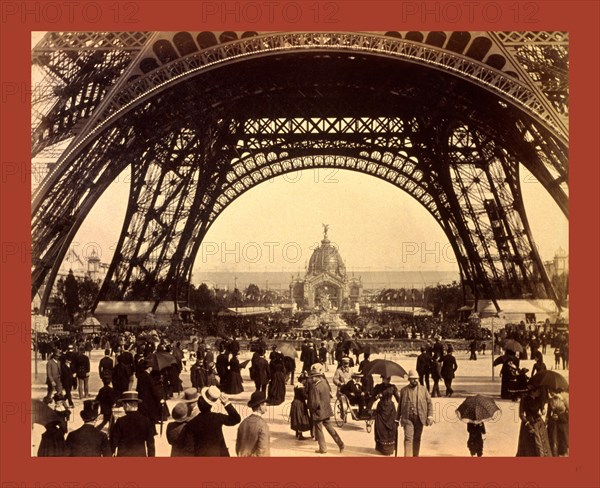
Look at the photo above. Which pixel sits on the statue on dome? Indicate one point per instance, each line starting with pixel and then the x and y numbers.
pixel 325 229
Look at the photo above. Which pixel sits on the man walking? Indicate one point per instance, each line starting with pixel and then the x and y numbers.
pixel 133 435
pixel 88 441
pixel 53 375
pixel 319 395
pixel 82 369
pixel 423 367
pixel 449 366
pixel 414 411
pixel 106 366
pixel 261 372
pixel 253 437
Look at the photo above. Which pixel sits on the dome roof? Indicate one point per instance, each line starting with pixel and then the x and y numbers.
pixel 326 259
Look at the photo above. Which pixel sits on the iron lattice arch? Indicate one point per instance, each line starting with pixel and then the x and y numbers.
pixel 199 130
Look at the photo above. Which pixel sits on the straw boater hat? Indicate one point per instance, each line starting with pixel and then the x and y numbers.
pixel 346 360
pixel 210 394
pixel 316 369
pixel 256 399
pixel 190 395
pixel 357 375
pixel 130 396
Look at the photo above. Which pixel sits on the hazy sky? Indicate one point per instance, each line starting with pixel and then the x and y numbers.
pixel 276 225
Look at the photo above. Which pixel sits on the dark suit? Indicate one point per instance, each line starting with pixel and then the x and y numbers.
pixel 87 441
pixel 222 365
pixel 66 377
pixel 423 368
pixel 174 437
pixel 449 366
pixel 105 368
pixel 261 373
pixel 132 434
pixel 205 432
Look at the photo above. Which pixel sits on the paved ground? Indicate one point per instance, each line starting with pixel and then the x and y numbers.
pixel 447 437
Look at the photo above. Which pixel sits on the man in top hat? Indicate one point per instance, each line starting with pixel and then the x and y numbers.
pixel 449 366
pixel 343 374
pixel 175 428
pixel 414 411
pixel 253 438
pixel 205 431
pixel 149 393
pixel 319 404
pixel 133 434
pixel 87 441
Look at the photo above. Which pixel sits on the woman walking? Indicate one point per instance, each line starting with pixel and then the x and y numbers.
pixel 233 385
pixel 277 384
pixel 533 436
pixel 385 416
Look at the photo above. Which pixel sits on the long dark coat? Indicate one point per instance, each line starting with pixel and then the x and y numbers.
pixel 261 373
pixel 131 435
pixel 449 366
pixel 150 395
pixel 205 432
pixel 87 441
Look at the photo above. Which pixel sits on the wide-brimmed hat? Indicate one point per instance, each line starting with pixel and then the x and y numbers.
pixel 130 396
pixel 413 375
pixel 316 369
pixel 256 399
pixel 210 394
pixel 357 375
pixel 90 411
pixel 190 395
pixel 180 412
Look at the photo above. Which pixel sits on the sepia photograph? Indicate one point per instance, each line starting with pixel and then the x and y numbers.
pixel 300 244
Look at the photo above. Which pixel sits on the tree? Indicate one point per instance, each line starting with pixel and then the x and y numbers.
pixel 71 296
pixel 88 291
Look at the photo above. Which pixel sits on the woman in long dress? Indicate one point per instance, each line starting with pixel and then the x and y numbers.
pixel 299 415
pixel 233 385
pixel 533 435
pixel 276 394
pixel 558 422
pixel 385 416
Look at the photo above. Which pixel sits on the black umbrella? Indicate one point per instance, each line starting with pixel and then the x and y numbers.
pixel 245 363
pixel 42 414
pixel 160 360
pixel 385 368
pixel 477 409
pixel 351 345
pixel 370 349
pixel 551 379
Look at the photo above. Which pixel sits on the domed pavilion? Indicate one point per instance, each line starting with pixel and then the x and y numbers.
pixel 326 284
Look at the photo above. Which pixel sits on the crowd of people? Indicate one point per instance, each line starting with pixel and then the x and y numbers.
pixel 139 373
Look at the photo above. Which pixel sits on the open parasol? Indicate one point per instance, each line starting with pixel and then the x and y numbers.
pixel 385 368
pixel 477 409
pixel 550 379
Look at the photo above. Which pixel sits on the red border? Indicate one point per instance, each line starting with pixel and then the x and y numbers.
pixel 580 18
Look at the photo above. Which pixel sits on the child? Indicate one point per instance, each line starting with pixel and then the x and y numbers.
pixel 299 416
pixel 106 398
pixel 557 357
pixel 475 442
